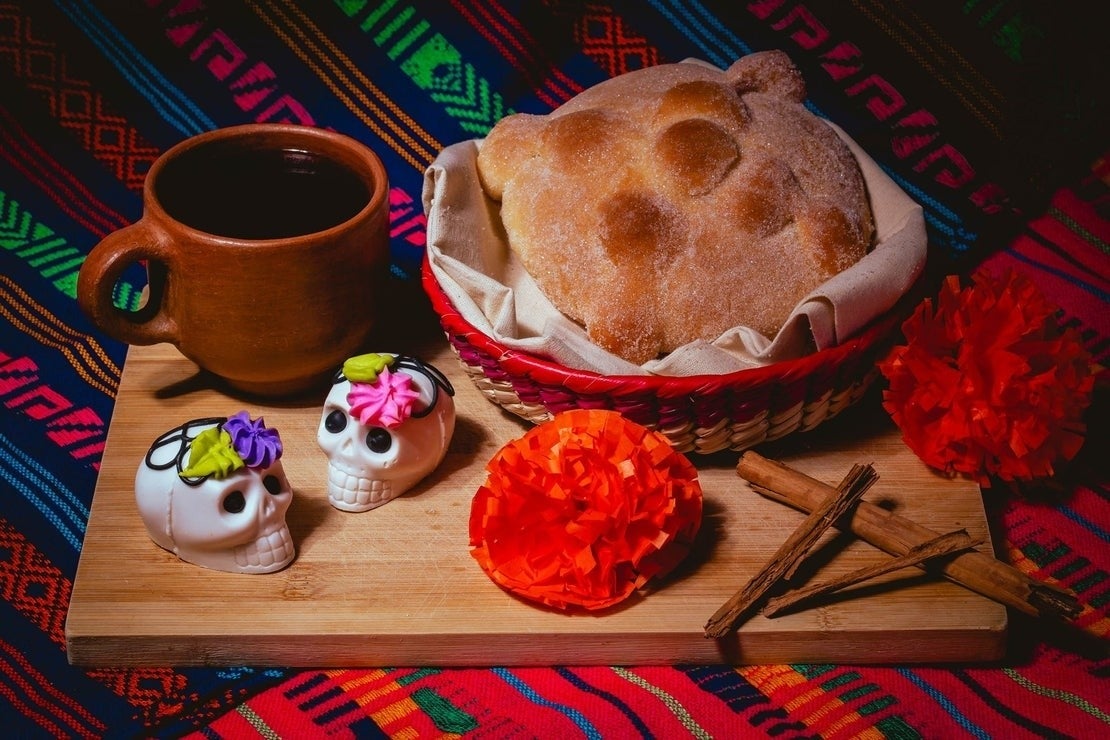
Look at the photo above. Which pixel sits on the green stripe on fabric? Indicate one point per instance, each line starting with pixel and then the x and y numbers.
pixel 50 272
pixel 837 681
pixel 381 36
pixel 1058 694
pixel 1042 556
pixel 255 721
pixel 32 249
pixel 671 703
pixel 895 728
pixel 446 716
pixel 350 8
pixel 1070 568
pixel 1099 600
pixel 1079 231
pixel 813 671
pixel 877 705
pixel 858 692
pixel 1088 583
pixel 416 675
pixel 406 41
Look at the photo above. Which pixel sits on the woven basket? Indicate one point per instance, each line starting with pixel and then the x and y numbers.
pixel 698 413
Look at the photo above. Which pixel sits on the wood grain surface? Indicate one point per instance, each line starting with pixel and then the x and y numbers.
pixel 396 586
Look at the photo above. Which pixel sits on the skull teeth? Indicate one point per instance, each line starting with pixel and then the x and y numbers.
pixel 353 493
pixel 269 552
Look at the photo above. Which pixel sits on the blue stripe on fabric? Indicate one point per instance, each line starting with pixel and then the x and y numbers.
pixel 30 479
pixel 952 226
pixel 79 512
pixel 529 693
pixel 627 711
pixel 944 703
pixel 1084 522
pixel 170 102
pixel 739 48
pixel 920 196
pixel 705 40
pixel 1102 295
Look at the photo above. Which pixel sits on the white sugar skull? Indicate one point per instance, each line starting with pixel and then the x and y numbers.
pixel 386 425
pixel 213 492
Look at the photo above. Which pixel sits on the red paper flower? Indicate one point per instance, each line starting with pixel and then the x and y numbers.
pixel 987 383
pixel 583 510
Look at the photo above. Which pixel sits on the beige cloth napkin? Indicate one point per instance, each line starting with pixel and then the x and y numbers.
pixel 471 259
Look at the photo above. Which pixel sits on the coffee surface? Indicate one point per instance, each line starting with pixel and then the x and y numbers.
pixel 251 193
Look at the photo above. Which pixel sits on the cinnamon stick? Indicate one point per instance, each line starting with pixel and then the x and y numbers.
pixel 838 502
pixel 945 544
pixel 896 535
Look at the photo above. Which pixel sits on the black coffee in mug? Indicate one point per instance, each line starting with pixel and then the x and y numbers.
pixel 235 190
pixel 274 316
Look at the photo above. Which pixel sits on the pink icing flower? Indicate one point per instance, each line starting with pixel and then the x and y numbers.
pixel 385 403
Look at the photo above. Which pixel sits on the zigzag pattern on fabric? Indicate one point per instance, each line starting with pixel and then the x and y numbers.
pixel 74 100
pixel 32 585
pixel 71 195
pixel 606 38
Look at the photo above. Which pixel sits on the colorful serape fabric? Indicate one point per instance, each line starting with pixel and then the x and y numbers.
pixel 992 115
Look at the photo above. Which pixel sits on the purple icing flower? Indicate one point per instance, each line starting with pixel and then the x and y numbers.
pixel 258 445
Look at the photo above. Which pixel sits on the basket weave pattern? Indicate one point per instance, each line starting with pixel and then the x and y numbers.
pixel 702 413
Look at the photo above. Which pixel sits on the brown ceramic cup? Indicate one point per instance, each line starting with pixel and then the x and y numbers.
pixel 266 248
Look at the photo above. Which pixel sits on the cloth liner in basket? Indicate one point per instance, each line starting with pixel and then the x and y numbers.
pixel 531 359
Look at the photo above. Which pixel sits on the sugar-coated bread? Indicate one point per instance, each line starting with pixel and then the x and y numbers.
pixel 672 203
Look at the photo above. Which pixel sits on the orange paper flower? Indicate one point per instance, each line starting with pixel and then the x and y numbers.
pixel 583 510
pixel 987 383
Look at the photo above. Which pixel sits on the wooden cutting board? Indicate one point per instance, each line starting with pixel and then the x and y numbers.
pixel 396 585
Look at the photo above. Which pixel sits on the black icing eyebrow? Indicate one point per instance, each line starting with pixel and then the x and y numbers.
pixel 181 436
pixel 414 365
pixel 431 371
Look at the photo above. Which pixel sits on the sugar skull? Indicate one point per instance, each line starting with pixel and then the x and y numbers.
pixel 214 493
pixel 386 425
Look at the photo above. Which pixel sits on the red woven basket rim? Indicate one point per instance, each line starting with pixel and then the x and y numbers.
pixel 520 363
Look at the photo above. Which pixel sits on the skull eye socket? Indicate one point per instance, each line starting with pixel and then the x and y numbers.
pixel 335 422
pixel 272 483
pixel 379 440
pixel 234 502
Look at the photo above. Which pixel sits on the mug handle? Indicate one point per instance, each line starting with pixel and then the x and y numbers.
pixel 103 268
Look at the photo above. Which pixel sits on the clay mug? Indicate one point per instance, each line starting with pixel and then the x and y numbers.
pixel 266 248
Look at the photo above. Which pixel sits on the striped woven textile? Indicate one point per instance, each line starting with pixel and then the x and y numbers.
pixel 991 113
